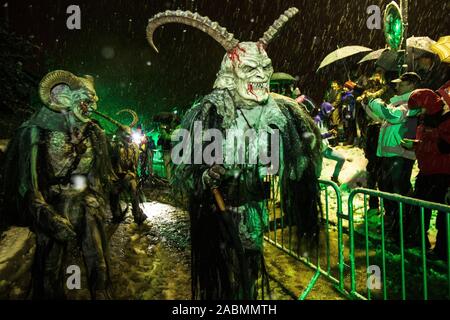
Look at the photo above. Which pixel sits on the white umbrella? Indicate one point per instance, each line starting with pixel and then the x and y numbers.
pixel 420 43
pixel 342 53
pixel 374 55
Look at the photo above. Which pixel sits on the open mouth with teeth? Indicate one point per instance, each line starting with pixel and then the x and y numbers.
pixel 257 85
pixel 83 111
pixel 84 107
pixel 261 88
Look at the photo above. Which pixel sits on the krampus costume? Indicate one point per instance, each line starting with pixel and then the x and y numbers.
pixel 227 237
pixel 125 160
pixel 56 179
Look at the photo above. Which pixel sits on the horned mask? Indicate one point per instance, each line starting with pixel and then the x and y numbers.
pixel 246 68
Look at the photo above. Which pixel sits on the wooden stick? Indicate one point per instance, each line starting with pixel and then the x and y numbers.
pixel 219 199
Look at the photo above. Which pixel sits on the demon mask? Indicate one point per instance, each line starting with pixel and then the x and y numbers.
pixel 246 68
pixel 62 91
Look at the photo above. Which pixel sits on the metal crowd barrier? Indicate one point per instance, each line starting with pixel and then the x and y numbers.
pixel 416 263
pixel 361 244
pixel 280 236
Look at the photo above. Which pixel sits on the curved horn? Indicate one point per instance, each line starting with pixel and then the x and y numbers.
pixel 195 20
pixel 113 121
pixel 133 113
pixel 273 30
pixel 52 79
pixel 88 82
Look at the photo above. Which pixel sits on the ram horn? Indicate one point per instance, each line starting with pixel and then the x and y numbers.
pixel 52 79
pixel 275 28
pixel 220 34
pixel 133 113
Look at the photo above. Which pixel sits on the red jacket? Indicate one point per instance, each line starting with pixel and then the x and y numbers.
pixel 433 150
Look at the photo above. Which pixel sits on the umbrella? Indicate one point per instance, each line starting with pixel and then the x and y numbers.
pixel 417 46
pixel 374 55
pixel 420 43
pixel 282 77
pixel 342 53
pixel 388 60
pixel 442 48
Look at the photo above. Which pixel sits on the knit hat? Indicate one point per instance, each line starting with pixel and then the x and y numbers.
pixel 350 85
pixel 326 108
pixel 427 99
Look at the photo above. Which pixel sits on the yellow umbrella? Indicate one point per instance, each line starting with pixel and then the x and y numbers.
pixel 442 48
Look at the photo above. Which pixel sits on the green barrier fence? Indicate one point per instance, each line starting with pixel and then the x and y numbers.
pixel 397 255
pixel 281 231
pixel 368 249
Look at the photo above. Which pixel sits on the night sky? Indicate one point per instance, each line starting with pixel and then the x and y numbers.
pixel 112 46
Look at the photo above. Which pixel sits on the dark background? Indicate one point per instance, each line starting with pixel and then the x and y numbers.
pixel 112 45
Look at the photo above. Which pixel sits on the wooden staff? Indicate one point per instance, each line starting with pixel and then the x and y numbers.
pixel 219 199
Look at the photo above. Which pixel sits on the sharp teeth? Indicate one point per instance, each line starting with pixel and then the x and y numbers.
pixel 258 85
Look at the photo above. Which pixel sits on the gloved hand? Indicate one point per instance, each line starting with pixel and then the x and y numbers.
pixel 63 230
pixel 333 132
pixel 408 144
pixel 213 176
pixel 53 224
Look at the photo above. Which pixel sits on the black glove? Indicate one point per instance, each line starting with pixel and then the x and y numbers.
pixel 213 176
pixel 51 223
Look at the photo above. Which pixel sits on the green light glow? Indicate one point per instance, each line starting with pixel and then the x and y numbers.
pixel 393 26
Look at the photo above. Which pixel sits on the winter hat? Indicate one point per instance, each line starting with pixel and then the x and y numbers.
pixel 408 76
pixel 350 85
pixel 427 99
pixel 444 92
pixel 326 108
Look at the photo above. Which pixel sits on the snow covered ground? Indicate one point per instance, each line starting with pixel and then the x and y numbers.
pixel 353 171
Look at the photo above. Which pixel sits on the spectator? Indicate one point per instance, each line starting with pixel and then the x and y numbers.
pixel 334 96
pixel 374 87
pixel 396 162
pixel 432 72
pixel 432 147
pixel 370 131
pixel 320 120
pixel 349 113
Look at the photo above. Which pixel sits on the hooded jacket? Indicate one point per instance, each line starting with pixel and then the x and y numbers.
pixel 433 149
pixel 398 122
